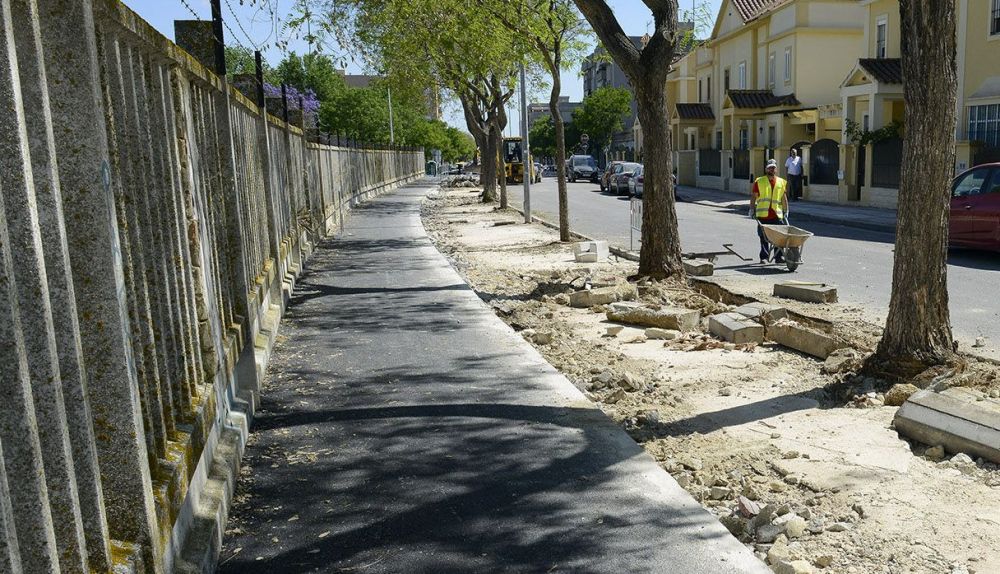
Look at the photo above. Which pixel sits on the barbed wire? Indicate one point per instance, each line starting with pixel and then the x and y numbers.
pixel 190 9
pixel 239 24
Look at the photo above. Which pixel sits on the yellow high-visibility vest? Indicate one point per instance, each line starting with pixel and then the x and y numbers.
pixel 770 198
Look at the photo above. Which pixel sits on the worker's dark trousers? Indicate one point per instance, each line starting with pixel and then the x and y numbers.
pixel 765 245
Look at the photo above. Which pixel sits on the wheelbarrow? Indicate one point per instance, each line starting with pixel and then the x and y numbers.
pixel 787 240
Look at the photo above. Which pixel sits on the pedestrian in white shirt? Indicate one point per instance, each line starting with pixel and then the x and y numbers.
pixel 793 168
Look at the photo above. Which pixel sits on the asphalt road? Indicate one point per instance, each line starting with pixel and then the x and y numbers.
pixel 858 261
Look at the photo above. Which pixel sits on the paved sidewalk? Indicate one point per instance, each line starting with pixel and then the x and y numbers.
pixel 871 218
pixel 404 428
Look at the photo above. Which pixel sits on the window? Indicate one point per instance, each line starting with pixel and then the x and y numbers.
pixel 971 183
pixel 864 122
pixel 995 18
pixel 771 137
pixel 984 124
pixel 725 81
pixel 788 65
pixel 741 76
pixel 708 88
pixel 744 138
pixel 881 29
pixel 699 92
pixel 718 140
pixel 770 70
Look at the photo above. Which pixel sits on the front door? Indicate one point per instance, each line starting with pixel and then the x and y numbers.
pixel 966 196
pixel 859 176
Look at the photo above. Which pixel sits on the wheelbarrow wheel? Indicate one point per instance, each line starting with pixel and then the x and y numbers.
pixel 793 257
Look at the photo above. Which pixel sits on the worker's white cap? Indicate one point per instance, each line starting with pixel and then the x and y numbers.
pixel 771 163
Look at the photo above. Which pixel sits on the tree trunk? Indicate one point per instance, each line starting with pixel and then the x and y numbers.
pixel 488 171
pixel 660 255
pixel 501 167
pixel 918 329
pixel 560 132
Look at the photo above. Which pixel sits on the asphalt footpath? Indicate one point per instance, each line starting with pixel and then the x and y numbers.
pixel 405 428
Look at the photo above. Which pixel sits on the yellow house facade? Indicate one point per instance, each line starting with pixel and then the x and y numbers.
pixel 872 97
pixel 765 82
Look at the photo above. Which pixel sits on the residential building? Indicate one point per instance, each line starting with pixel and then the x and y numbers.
pixel 600 71
pixel 872 100
pixel 765 81
pixel 538 110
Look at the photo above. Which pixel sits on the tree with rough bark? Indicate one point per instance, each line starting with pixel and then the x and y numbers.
pixel 918 333
pixel 555 31
pixel 646 68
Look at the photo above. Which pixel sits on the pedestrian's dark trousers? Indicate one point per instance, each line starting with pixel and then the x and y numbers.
pixel 765 245
pixel 796 181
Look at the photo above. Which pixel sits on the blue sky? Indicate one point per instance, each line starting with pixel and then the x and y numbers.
pixel 259 27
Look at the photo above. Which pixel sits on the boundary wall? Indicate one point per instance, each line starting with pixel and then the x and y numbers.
pixel 153 222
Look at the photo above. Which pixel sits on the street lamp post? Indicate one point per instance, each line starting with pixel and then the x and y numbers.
pixel 527 162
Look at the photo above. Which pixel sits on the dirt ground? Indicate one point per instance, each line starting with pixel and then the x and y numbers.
pixel 802 466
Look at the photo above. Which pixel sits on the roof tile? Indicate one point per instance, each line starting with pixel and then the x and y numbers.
pixel 760 99
pixel 695 112
pixel 885 70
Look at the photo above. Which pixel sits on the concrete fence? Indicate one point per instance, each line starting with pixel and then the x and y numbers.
pixel 152 224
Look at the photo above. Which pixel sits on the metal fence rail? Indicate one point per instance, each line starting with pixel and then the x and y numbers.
pixel 159 219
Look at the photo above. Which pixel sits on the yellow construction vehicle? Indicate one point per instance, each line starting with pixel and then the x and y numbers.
pixel 513 157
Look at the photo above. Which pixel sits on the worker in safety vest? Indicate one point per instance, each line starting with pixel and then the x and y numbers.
pixel 770 205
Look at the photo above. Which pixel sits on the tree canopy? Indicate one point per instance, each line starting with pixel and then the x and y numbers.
pixel 603 114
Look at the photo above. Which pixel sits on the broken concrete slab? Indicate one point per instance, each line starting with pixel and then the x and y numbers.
pixel 590 251
pixel 698 267
pixel 957 419
pixel 801 338
pixel 676 318
pixel 603 295
pixel 762 311
pixel 806 292
pixel 662 334
pixel 735 328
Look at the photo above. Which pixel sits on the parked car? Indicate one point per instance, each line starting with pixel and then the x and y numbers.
pixel 975 208
pixel 635 183
pixel 606 175
pixel 618 182
pixel 582 167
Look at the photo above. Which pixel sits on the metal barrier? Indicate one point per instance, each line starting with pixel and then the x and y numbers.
pixel 635 222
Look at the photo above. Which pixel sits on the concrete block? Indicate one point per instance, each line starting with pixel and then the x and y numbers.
pixel 762 311
pixel 956 419
pixel 603 295
pixel 735 328
pixel 698 267
pixel 801 338
pixel 676 318
pixel 662 334
pixel 807 292
pixel 591 251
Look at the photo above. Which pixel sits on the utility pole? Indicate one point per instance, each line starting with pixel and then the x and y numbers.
pixel 529 165
pixel 220 46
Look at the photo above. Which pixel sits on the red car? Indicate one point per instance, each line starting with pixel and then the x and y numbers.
pixel 975 208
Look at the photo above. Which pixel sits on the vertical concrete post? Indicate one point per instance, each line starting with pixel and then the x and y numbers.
pixel 270 177
pixel 10 555
pixel 48 195
pixel 18 427
pixel 68 33
pixel 32 292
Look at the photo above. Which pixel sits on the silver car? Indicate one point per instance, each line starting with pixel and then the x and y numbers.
pixel 635 182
